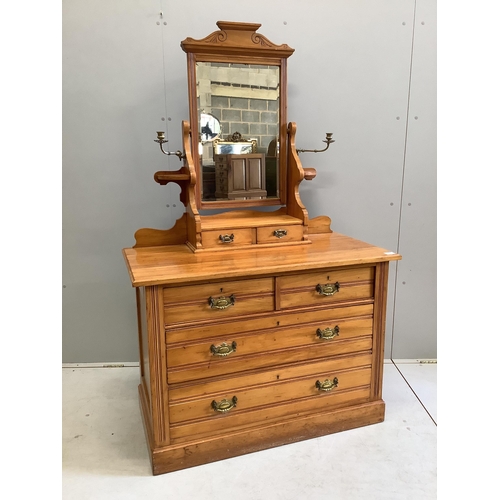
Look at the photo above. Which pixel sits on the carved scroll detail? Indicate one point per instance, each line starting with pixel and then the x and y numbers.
pixel 216 37
pixel 262 40
pixel 237 39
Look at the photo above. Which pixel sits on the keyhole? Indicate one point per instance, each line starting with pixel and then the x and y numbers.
pixel 328 278
pixel 277 323
pixel 221 290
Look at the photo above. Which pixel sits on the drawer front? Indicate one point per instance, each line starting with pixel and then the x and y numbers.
pixel 323 288
pixel 203 310
pixel 218 368
pixel 228 238
pixel 234 353
pixel 288 319
pixel 187 293
pixel 272 386
pixel 279 234
pixel 343 276
pixel 218 301
pixel 311 296
pixel 234 421
pixel 242 401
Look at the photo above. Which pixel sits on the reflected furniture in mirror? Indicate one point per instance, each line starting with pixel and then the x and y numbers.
pixel 257 325
pixel 239 170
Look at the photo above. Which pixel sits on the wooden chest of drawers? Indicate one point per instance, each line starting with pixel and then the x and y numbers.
pixel 253 349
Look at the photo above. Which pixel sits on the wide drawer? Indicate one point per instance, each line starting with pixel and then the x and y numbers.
pixel 196 333
pixel 238 352
pixel 216 407
pixel 217 301
pixel 325 287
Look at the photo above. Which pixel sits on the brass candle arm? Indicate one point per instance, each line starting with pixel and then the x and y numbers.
pixel 328 141
pixel 161 140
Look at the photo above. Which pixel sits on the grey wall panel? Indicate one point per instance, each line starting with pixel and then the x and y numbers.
pixel 352 81
pixel 113 100
pixel 415 307
pixel 350 76
pixel 124 77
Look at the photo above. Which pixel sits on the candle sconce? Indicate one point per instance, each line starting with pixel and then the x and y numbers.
pixel 161 140
pixel 328 141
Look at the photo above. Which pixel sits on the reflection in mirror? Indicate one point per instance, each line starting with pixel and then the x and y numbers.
pixel 209 127
pixel 234 147
pixel 242 163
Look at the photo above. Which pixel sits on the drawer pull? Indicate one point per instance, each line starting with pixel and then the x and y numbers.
pixel 226 238
pixel 327 385
pixel 225 405
pixel 223 349
pixel 328 289
pixel 221 302
pixel 279 233
pixel 328 333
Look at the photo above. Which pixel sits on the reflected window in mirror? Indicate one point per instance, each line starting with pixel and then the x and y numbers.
pixel 209 127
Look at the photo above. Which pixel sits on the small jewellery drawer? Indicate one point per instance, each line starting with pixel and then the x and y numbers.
pixel 325 287
pixel 280 234
pixel 217 301
pixel 224 355
pixel 215 407
pixel 228 238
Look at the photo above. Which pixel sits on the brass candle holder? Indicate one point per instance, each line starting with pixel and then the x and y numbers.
pixel 161 140
pixel 328 141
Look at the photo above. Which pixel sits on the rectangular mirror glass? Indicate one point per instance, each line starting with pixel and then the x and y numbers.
pixel 238 128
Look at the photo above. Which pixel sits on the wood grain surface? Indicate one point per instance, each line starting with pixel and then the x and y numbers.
pixel 177 264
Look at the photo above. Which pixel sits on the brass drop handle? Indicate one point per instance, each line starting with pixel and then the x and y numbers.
pixel 280 233
pixel 225 405
pixel 328 289
pixel 161 140
pixel 226 238
pixel 328 333
pixel 223 349
pixel 221 302
pixel 327 385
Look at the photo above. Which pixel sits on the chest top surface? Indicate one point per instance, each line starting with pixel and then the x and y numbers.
pixel 177 264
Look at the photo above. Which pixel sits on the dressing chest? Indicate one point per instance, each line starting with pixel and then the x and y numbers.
pixel 257 326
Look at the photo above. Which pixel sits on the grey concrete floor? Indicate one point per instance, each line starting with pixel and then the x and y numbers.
pixel 105 454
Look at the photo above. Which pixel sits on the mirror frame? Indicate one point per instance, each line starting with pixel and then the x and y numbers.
pixel 237 43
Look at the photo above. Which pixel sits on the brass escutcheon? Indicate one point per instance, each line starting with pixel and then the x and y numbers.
pixel 279 233
pixel 225 405
pixel 327 385
pixel 221 302
pixel 226 238
pixel 223 349
pixel 328 289
pixel 328 333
